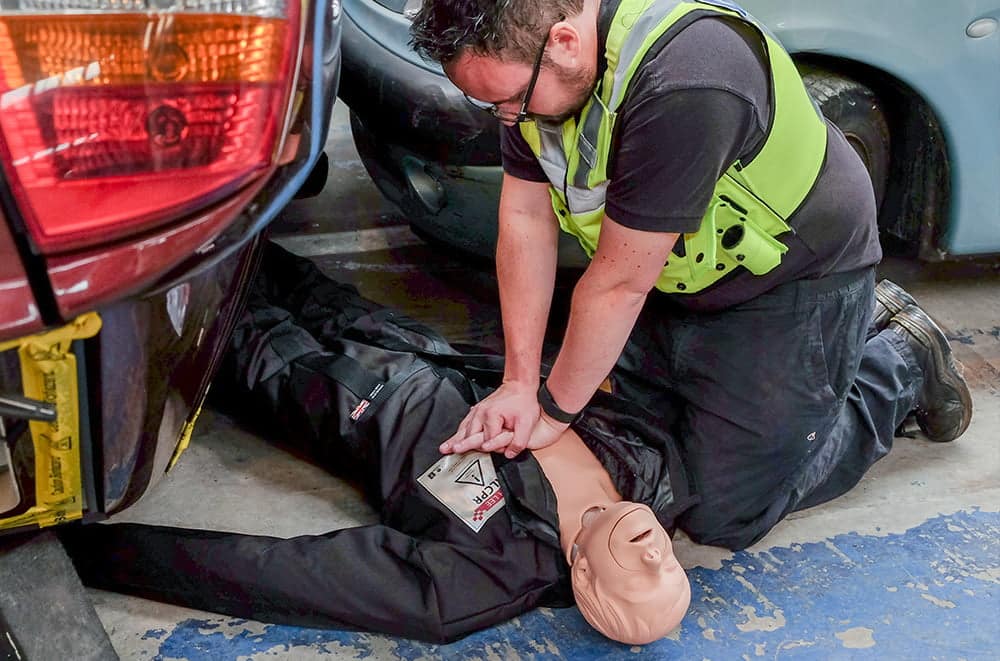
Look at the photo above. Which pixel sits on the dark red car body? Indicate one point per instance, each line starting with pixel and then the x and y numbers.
pixel 166 299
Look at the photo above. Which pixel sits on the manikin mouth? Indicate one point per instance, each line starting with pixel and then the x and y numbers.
pixel 641 537
pixel 625 515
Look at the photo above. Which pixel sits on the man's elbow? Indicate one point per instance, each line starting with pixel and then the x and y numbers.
pixel 632 294
pixel 627 292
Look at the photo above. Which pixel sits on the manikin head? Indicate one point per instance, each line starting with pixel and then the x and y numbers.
pixel 627 582
pixel 489 49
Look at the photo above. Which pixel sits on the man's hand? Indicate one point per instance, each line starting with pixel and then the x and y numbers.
pixel 512 407
pixel 545 432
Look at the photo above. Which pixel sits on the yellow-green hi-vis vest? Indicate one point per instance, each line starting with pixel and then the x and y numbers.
pixel 752 200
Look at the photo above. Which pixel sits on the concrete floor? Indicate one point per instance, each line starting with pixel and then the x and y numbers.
pixel 906 566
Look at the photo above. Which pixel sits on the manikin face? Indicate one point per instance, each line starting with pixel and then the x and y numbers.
pixel 565 80
pixel 627 582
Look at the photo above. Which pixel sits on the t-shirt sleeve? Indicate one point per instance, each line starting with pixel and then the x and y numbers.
pixel 672 148
pixel 518 159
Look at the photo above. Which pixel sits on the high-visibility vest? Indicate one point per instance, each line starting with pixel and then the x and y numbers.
pixel 752 200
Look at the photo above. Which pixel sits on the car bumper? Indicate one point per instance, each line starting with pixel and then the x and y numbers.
pixel 446 182
pixel 127 396
pixel 127 382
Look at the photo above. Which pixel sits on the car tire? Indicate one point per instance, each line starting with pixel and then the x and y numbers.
pixel 857 112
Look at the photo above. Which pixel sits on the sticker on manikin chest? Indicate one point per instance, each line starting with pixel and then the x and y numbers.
pixel 467 484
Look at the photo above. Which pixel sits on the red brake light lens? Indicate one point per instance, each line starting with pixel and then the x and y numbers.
pixel 113 121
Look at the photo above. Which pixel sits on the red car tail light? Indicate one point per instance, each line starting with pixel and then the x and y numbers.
pixel 119 115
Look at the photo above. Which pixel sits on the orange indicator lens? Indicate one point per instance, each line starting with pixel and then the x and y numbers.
pixel 113 123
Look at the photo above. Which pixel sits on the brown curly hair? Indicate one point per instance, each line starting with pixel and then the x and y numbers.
pixel 510 29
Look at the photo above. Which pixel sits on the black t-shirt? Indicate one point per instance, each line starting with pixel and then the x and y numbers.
pixel 694 109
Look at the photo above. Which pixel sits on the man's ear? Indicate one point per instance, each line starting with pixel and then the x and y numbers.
pixel 565 44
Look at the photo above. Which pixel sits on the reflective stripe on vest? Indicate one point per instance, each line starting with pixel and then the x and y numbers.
pixel 752 200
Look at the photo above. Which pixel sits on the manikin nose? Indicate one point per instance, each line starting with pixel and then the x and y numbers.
pixel 652 557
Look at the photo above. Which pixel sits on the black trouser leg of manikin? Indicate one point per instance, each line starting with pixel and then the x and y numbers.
pixel 372 578
pixel 320 305
pixel 787 402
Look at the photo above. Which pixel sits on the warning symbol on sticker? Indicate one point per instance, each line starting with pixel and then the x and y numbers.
pixel 472 475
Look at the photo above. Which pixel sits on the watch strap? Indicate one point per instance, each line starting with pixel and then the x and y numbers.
pixel 552 409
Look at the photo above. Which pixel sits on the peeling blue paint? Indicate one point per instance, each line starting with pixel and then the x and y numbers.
pixel 932 592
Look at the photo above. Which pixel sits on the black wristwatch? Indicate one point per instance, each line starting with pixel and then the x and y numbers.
pixel 551 408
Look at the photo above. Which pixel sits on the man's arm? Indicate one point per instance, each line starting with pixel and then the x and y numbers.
pixel 527 250
pixel 606 303
pixel 372 578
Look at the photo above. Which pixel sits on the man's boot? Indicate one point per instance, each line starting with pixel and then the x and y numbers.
pixel 944 403
pixel 890 299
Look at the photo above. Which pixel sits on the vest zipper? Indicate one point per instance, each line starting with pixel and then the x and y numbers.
pixel 566 184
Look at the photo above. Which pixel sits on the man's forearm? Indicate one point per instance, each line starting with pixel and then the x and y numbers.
pixel 601 319
pixel 606 303
pixel 526 266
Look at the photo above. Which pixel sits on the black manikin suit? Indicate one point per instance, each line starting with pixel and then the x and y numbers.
pixel 422 572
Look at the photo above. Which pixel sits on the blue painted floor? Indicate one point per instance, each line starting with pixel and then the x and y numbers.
pixel 932 592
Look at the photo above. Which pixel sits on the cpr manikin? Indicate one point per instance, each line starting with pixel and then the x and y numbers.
pixel 459 543
pixel 626 580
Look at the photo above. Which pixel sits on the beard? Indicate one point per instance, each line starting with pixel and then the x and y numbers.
pixel 580 83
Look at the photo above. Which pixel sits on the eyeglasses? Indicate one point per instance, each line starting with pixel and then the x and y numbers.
pixel 522 115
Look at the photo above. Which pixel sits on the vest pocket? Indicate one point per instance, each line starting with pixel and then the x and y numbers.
pixel 748 244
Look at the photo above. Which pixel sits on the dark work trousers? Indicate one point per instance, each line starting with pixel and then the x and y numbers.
pixel 786 400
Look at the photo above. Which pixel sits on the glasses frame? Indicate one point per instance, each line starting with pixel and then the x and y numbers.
pixel 523 115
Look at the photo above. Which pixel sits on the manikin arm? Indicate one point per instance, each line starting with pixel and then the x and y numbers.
pixel 372 578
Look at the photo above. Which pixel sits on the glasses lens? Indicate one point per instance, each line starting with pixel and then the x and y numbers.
pixel 493 109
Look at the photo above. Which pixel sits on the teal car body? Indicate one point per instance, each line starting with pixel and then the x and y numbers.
pixel 925 45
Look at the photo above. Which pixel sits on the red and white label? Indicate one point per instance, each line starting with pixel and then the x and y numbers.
pixel 467 484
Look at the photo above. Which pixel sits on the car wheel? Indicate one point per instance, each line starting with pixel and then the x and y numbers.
pixel 857 112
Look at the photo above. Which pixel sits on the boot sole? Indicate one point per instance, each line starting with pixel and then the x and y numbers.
pixel 949 371
pixel 893 297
